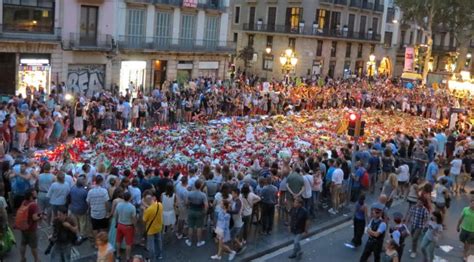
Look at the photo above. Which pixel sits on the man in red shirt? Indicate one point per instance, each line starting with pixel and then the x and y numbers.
pixel 29 237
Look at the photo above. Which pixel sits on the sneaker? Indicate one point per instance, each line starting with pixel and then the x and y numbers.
pixel 292 256
pixel 332 211
pixel 179 236
pixel 413 255
pixel 232 255
pixel 188 242
pixel 201 243
pixel 216 257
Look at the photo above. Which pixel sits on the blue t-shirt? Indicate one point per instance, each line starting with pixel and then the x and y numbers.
pixel 78 204
pixel 359 173
pixel 125 212
pixel 58 193
pixel 374 165
pixel 45 180
pixel 432 171
pixel 329 174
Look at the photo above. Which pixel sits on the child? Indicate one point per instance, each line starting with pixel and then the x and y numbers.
pixel 431 237
pixel 399 232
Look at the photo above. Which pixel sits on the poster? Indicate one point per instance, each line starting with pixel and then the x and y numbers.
pixel 409 59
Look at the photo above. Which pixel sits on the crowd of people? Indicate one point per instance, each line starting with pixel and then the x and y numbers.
pixel 122 208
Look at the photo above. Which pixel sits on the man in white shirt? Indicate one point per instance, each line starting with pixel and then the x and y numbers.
pixel 308 192
pixel 336 186
pixel 97 199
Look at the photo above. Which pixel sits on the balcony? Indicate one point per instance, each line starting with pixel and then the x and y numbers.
pixel 443 48
pixel 80 42
pixel 378 8
pixel 37 34
pixel 175 44
pixel 340 2
pixel 140 1
pixel 355 4
pixel 310 31
pixel 213 5
pixel 367 6
pixel 328 2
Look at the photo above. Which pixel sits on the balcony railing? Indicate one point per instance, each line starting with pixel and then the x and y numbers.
pixel 443 48
pixel 82 42
pixel 340 2
pixel 15 32
pixel 175 44
pixel 379 8
pixel 367 5
pixel 309 30
pixel 355 3
pixel 141 1
pixel 209 4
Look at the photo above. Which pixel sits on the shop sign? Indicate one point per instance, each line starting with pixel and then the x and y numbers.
pixel 86 79
pixel 190 3
pixel 409 59
pixel 185 66
pixel 208 65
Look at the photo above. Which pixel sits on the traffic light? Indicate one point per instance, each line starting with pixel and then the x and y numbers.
pixel 356 125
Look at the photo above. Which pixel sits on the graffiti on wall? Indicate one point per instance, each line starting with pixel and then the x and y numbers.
pixel 86 79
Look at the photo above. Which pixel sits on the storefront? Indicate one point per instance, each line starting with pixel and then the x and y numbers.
pixel 159 72
pixel 34 72
pixel 184 72
pixel 132 76
pixel 209 69
pixel 385 68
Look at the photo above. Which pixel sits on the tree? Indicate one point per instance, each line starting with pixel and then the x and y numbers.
pixel 425 13
pixel 246 55
pixel 460 20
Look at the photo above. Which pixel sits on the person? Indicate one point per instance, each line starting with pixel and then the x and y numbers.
pixel 236 212
pixel 399 232
pixel 29 237
pixel 153 219
pixel 455 171
pixel 373 169
pixel 98 199
pixel 181 202
pixel 431 237
pixel 442 195
pixel 466 228
pixel 360 218
pixel 403 178
pixel 168 198
pixel 197 208
pixel 249 199
pixel 391 254
pixel 432 171
pixel 105 251
pixel 223 232
pixel 64 235
pixel 78 206
pixel 417 217
pixel 390 188
pixel 269 200
pixel 298 226
pixel 294 185
pixel 125 215
pixel 58 193
pixel 44 182
pixel 376 232
pixel 336 186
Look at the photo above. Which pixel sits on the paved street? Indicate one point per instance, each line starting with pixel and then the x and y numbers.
pixel 329 245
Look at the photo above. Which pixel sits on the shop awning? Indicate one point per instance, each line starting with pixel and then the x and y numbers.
pixel 411 76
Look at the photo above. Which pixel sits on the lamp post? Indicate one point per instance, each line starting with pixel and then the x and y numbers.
pixel 268 50
pixel 288 60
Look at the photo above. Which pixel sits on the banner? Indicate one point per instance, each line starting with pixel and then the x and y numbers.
pixel 190 3
pixel 409 59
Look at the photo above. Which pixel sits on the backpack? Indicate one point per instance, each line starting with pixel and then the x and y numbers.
pixel 21 219
pixel 364 180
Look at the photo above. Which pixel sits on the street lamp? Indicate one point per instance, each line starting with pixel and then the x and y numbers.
pixel 288 60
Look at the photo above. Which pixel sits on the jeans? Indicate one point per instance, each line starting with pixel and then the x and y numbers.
pixel 268 213
pixel 359 227
pixel 415 237
pixel 247 221
pixel 154 244
pixel 427 248
pixel 61 253
pixel 296 243
pixel 308 205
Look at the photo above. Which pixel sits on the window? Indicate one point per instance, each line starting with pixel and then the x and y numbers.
pixel 212 31
pixel 359 51
pixel 28 16
pixel 372 48
pixel 333 48
pixel 322 18
pixel 336 20
pixel 188 29
pixel 163 28
pixel 350 24
pixel 332 68
pixel 252 15
pixel 292 43
pixel 268 63
pixel 88 26
pixel 236 37
pixel 375 24
pixel 363 20
pixel 136 26
pixel 271 18
pixel 319 48
pixel 410 41
pixel 387 39
pixel 390 15
pixel 293 17
pixel 251 39
pixel 237 15
pixel 402 38
pixel 348 50
pixel 269 41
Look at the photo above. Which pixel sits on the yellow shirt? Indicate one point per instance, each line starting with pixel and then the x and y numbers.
pixel 148 218
pixel 21 126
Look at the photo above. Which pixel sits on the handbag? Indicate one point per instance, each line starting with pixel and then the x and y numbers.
pixel 153 220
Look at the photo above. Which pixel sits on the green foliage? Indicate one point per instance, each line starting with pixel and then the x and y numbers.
pixel 246 55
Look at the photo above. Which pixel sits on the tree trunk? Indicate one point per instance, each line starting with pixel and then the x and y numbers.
pixel 463 49
pixel 427 57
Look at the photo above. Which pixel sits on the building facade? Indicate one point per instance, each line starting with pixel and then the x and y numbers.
pixel 329 37
pixel 93 45
pixel 30 44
